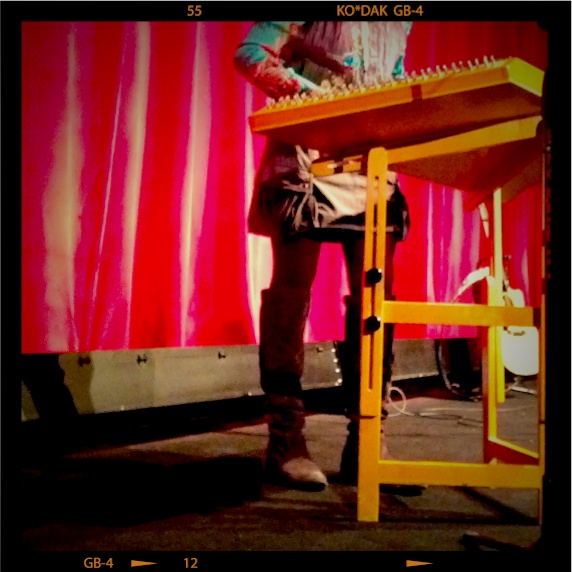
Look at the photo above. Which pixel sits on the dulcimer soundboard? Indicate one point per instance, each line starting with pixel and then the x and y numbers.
pixel 496 103
pixel 417 108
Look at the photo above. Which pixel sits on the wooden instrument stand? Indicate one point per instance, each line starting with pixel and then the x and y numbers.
pixel 475 128
pixel 504 464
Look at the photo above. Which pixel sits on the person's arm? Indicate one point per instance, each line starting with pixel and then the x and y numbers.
pixel 258 59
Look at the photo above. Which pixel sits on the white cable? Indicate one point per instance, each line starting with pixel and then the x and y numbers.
pixel 401 409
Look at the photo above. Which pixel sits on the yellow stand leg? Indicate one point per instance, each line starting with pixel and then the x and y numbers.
pixel 372 338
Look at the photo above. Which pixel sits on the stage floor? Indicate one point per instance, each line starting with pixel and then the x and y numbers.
pixel 203 491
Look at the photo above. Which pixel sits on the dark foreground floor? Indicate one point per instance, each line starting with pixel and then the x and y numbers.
pixel 203 492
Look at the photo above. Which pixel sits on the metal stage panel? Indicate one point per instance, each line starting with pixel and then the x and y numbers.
pixel 115 381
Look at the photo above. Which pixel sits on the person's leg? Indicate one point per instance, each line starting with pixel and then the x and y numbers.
pixel 283 315
pixel 350 361
pixel 353 252
pixel 350 349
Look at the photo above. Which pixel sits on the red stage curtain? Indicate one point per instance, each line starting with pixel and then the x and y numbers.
pixel 137 171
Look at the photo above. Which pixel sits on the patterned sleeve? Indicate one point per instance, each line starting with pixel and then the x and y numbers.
pixel 258 59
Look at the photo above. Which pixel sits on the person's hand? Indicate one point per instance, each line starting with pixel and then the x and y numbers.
pixel 275 79
pixel 295 50
pixel 343 79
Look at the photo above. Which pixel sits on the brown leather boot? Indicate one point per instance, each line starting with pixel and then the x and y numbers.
pixel 288 461
pixel 351 369
pixel 283 316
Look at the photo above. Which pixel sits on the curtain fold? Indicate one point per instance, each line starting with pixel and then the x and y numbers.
pixel 137 171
